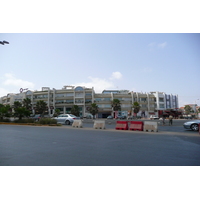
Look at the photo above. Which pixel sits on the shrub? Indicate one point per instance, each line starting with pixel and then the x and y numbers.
pixel 5 120
pixel 47 121
pixel 24 121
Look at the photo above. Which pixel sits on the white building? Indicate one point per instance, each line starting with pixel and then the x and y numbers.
pixel 153 103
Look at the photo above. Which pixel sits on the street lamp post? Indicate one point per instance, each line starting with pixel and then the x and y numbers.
pixel 196 108
pixel 4 42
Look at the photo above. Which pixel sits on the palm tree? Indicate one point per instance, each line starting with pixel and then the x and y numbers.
pixel 116 105
pixel 94 109
pixel 27 103
pixel 41 107
pixel 57 112
pixel 136 107
pixel 75 110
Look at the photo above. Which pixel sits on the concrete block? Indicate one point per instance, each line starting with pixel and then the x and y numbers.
pixel 150 126
pixel 99 124
pixel 77 123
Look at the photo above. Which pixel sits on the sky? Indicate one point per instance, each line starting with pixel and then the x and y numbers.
pixel 139 62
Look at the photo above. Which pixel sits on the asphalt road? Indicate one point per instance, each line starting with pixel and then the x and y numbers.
pixel 67 146
pixel 176 127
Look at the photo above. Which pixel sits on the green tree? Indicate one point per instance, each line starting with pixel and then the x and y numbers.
pixel 20 111
pixel 57 112
pixel 136 107
pixel 94 109
pixel 27 103
pixel 75 110
pixel 41 107
pixel 4 111
pixel 17 104
pixel 187 109
pixel 116 104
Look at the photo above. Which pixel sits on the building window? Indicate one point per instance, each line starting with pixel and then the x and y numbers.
pixel 59 95
pixel 60 102
pixel 69 94
pixel 79 101
pixel 69 101
pixel 143 99
pixel 161 106
pixel 97 99
pixel 79 95
pixel 127 99
pixel 88 101
pixel 143 106
pixel 106 99
pixel 161 99
pixel 88 94
pixel 42 96
pixel 107 106
pixel 78 89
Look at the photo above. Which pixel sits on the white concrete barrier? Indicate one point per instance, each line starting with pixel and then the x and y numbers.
pixel 99 124
pixel 77 123
pixel 150 126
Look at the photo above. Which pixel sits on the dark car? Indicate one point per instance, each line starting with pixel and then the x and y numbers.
pixel 121 117
pixel 36 117
pixel 110 117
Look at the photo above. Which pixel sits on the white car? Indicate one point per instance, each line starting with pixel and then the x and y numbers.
pixel 153 117
pixel 192 125
pixel 65 119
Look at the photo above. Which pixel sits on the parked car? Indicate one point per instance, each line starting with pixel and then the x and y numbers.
pixel 65 119
pixel 88 117
pixel 192 125
pixel 110 117
pixel 153 117
pixel 36 117
pixel 121 117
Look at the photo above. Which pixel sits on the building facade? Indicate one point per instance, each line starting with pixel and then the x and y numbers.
pixel 153 103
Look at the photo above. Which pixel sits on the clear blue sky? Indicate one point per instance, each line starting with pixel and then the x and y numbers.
pixel 137 62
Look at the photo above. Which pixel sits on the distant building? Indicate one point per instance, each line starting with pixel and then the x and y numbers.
pixel 153 103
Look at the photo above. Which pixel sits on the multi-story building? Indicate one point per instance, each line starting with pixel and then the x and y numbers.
pixel 153 103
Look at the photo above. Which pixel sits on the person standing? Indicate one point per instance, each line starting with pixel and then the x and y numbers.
pixel 170 120
pixel 163 120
